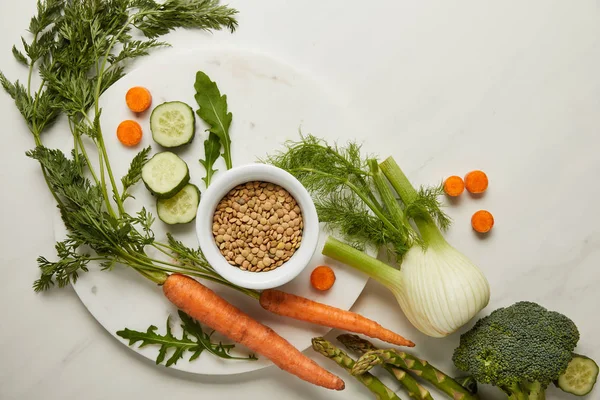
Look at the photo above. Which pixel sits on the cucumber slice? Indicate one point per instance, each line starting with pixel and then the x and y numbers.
pixel 580 376
pixel 173 124
pixel 165 174
pixel 181 208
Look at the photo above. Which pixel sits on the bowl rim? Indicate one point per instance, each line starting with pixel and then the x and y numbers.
pixel 219 187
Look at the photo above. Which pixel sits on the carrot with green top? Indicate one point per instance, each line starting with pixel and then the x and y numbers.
pixel 207 307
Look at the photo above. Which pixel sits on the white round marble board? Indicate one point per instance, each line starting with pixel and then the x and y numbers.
pixel 270 102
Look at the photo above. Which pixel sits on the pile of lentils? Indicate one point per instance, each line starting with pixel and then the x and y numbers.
pixel 257 226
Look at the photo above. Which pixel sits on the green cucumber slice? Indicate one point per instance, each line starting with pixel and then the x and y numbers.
pixel 165 174
pixel 173 124
pixel 181 208
pixel 579 377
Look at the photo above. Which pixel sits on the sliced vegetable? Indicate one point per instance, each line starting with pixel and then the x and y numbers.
pixel 181 208
pixel 580 376
pixel 454 186
pixel 476 182
pixel 482 221
pixel 173 124
pixel 138 99
pixel 322 278
pixel 303 309
pixel 204 305
pixel 129 133
pixel 165 174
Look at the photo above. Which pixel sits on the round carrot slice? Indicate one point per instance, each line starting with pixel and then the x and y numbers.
pixel 138 99
pixel 322 278
pixel 454 186
pixel 129 133
pixel 482 221
pixel 476 182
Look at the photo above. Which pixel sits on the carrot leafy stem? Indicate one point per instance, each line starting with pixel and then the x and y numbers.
pixel 193 340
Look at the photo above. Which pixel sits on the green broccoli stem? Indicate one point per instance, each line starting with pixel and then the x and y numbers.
pixel 371 382
pixel 429 231
pixel 419 367
pixel 360 345
pixel 526 391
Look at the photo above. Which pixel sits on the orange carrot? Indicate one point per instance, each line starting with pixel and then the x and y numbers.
pixel 322 278
pixel 303 309
pixel 454 186
pixel 138 99
pixel 207 307
pixel 482 221
pixel 129 133
pixel 476 181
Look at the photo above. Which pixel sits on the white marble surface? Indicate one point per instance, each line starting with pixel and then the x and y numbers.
pixel 511 87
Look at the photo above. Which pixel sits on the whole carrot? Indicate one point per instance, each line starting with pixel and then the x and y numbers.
pixel 303 309
pixel 207 307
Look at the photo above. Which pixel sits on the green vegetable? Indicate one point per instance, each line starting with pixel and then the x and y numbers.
pixel 521 349
pixel 79 48
pixel 353 196
pixel 173 124
pixel 419 367
pixel 212 151
pixel 165 174
pixel 181 208
pixel 415 391
pixel 193 340
pixel 371 382
pixel 580 376
pixel 213 110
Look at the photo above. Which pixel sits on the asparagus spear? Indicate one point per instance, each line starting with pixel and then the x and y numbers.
pixel 326 348
pixel 415 365
pixel 415 391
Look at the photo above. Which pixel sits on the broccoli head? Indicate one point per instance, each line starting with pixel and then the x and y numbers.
pixel 521 349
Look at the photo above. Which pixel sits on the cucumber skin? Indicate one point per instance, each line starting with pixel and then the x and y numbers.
pixel 174 191
pixel 193 119
pixel 180 223
pixel 567 390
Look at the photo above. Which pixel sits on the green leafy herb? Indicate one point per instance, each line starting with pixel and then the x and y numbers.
pixel 193 340
pixel 213 110
pixel 135 172
pixel 212 151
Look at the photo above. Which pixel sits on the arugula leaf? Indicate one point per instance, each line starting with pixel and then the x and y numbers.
pixel 212 150
pixel 193 340
pixel 213 110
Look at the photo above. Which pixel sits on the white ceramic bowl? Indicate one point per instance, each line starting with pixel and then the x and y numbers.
pixel 219 187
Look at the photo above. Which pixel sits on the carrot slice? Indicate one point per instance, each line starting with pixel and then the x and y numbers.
pixel 482 221
pixel 208 308
pixel 322 278
pixel 476 182
pixel 303 309
pixel 129 133
pixel 454 186
pixel 138 99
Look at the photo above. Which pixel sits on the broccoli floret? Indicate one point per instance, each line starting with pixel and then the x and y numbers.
pixel 521 349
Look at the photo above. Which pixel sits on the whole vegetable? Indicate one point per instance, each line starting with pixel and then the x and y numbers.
pixel 437 287
pixel 521 349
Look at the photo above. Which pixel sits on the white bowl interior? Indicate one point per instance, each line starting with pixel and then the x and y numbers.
pixel 204 221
